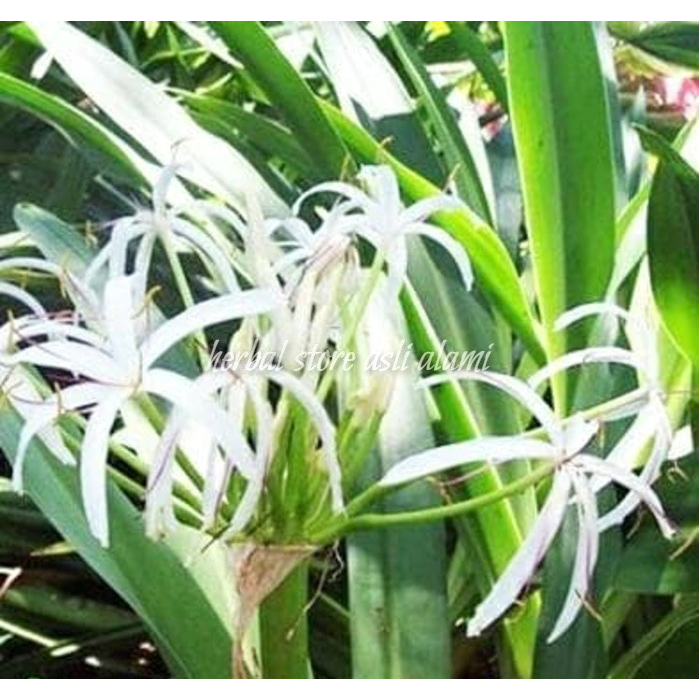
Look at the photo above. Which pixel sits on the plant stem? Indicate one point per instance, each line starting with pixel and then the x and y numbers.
pixel 284 628
pixel 185 292
pixel 432 514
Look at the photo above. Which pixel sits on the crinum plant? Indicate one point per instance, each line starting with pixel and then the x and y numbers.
pixel 243 356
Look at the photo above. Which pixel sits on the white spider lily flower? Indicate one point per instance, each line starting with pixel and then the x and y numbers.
pixel 159 515
pixel 116 368
pixel 379 216
pixel 159 223
pixel 573 473
pixel 651 415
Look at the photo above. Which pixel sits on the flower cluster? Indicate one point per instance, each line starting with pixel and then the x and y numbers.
pixel 265 451
pixel 281 281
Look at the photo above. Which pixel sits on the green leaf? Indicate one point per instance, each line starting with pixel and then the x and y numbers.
pixel 58 241
pixel 668 649
pixel 650 563
pixel 147 575
pixel 154 120
pixel 472 45
pixel 81 130
pixel 288 92
pixel 266 135
pixel 673 244
pixel 673 42
pixel 456 151
pixel 399 621
pixel 561 127
pixel 494 533
pixel 381 104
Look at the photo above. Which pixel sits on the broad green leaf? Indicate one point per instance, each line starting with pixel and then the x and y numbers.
pixel 399 623
pixel 561 127
pixel 494 534
pixel 154 120
pixel 287 91
pixel 650 563
pixel 391 574
pixel 283 628
pixel 673 244
pixel 605 51
pixel 59 242
pixel 456 151
pixel 147 575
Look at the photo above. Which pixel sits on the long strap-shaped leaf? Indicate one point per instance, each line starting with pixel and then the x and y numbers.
pixel 559 116
pixel 287 91
pixel 149 576
pixel 397 578
pixel 456 151
pixel 93 139
pixel 151 118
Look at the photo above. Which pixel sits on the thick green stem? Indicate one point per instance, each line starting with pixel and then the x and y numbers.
pixel 284 628
pixel 431 514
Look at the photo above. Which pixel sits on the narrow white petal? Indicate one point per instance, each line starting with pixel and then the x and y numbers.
pixel 382 184
pixel 24 397
pixel 650 471
pixel 425 208
pixel 56 329
pixel 218 310
pixel 573 315
pixel 141 269
pixel 71 356
pixel 524 563
pixel 123 232
pixel 216 255
pixel 353 194
pixel 490 449
pixel 591 355
pixel 93 464
pixel 159 517
pixel 682 444
pixel 453 247
pixel 585 556
pixel 43 414
pixel 578 433
pixel 188 397
pixel 35 263
pixel 24 297
pixel 634 484
pixel 397 259
pixel 119 322
pixel 519 390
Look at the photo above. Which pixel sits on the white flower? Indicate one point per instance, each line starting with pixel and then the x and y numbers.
pixel 114 368
pixel 173 229
pixel 648 405
pixel 573 470
pixel 379 216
